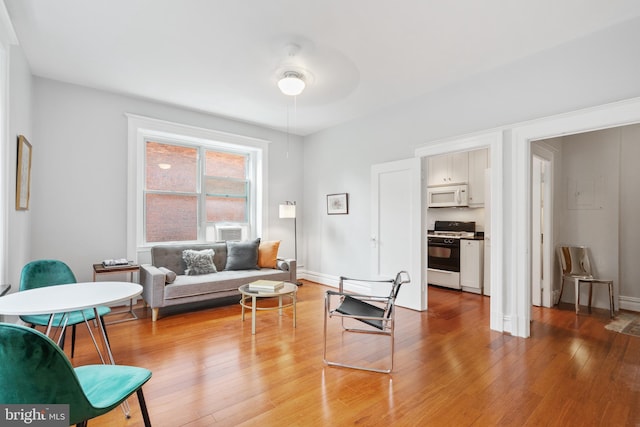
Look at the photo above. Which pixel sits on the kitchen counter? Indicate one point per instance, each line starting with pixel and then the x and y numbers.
pixel 478 236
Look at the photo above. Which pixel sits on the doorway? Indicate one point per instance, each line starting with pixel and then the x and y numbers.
pixel 607 116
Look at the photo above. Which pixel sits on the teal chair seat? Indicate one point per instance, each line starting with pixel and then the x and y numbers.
pixel 34 370
pixel 51 272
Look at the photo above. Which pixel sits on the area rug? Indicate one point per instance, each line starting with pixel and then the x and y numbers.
pixel 625 323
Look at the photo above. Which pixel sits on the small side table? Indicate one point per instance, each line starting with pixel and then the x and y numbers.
pixel 289 290
pixel 99 269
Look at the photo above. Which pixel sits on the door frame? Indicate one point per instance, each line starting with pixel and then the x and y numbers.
pixel 602 117
pixel 494 140
pixel 547 155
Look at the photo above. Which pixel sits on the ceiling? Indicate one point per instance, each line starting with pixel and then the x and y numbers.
pixel 358 56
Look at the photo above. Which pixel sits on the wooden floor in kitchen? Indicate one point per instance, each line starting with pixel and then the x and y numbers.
pixel 450 369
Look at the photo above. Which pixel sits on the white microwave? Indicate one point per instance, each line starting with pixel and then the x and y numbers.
pixel 448 196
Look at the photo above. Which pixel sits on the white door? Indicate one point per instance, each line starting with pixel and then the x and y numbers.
pixel 537 215
pixel 396 226
pixel 541 248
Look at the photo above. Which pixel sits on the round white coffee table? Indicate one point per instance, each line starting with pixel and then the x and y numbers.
pixel 288 290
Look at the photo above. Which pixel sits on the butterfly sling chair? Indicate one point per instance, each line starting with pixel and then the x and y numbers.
pixel 363 314
pixel 34 370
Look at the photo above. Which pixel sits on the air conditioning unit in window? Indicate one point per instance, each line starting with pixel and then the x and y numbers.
pixel 225 232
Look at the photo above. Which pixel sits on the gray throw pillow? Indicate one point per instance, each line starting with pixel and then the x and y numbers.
pixel 242 255
pixel 198 262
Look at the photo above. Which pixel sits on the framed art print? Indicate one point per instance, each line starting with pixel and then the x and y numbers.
pixel 23 174
pixel 338 204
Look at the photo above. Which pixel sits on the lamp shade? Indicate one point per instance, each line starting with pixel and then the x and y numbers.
pixel 287 211
pixel 291 84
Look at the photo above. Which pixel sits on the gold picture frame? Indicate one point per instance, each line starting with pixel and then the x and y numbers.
pixel 23 174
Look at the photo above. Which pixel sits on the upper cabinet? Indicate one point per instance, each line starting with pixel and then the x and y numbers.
pixel 478 163
pixel 450 168
pixel 466 167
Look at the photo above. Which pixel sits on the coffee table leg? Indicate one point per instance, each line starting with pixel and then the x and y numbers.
pixel 280 305
pixel 253 315
pixel 294 309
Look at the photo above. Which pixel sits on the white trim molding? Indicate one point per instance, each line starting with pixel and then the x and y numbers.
pixel 602 117
pixel 7 38
pixel 142 128
pixel 629 303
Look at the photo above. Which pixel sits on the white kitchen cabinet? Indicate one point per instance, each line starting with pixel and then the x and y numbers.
pixel 471 265
pixel 450 168
pixel 478 163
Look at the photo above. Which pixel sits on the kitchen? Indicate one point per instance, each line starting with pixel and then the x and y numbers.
pixel 457 221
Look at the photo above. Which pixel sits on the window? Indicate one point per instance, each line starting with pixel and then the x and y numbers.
pixel 185 183
pixel 190 184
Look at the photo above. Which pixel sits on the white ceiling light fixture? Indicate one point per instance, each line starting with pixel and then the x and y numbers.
pixel 291 83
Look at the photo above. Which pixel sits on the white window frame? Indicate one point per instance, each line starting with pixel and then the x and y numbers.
pixel 7 38
pixel 143 129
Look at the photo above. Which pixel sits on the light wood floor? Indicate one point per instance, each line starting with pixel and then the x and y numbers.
pixel 451 370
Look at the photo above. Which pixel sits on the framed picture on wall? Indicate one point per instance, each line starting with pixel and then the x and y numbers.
pixel 23 174
pixel 338 204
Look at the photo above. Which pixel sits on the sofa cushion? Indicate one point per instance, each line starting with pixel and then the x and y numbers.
pixel 268 254
pixel 242 255
pixel 220 282
pixel 198 262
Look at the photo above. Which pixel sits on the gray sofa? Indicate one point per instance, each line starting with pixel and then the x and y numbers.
pixel 189 289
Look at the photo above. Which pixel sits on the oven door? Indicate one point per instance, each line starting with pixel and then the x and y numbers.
pixel 443 254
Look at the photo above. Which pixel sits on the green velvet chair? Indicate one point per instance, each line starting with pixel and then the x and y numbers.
pixel 50 272
pixel 34 370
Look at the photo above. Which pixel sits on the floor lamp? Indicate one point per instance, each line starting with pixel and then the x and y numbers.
pixel 288 210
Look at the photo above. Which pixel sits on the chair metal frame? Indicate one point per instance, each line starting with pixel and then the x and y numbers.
pixel 580 272
pixel 375 311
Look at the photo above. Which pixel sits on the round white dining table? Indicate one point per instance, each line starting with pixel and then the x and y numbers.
pixel 67 298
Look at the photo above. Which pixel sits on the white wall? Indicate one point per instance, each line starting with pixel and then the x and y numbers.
pixel 80 171
pixel 591 166
pixel 20 123
pixel 592 71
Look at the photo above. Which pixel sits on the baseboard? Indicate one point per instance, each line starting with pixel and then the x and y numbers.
pixel 629 303
pixel 323 279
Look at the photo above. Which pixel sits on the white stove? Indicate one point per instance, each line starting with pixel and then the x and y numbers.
pixel 444 252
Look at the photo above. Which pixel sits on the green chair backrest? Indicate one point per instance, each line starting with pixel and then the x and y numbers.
pixel 33 370
pixel 45 272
